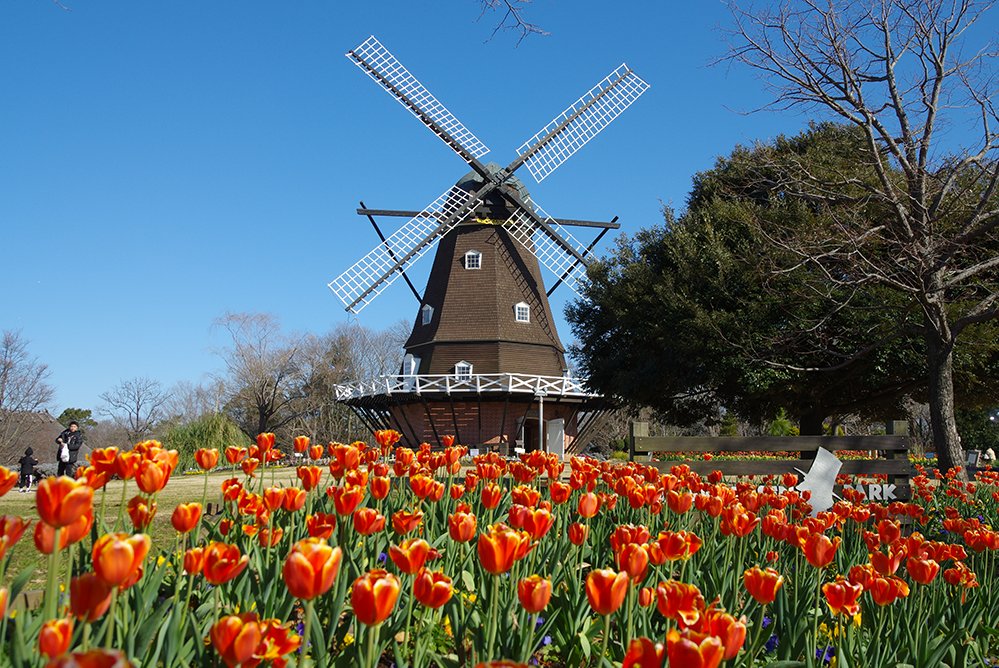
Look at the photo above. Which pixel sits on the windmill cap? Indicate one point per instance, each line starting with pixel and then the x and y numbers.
pixel 472 180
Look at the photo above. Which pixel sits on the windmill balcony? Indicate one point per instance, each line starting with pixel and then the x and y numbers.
pixel 449 384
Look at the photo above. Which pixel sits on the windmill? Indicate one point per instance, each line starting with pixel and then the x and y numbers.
pixel 484 354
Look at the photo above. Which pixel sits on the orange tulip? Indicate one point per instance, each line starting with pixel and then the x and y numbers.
pixel 461 526
pixel 410 556
pixel 7 480
pixel 589 505
pixel 634 560
pixel 4 596
pixel 186 516
pixel 273 498
pixel 537 522
pixel 680 601
pixel 499 547
pixel 690 649
pixel 491 494
pixel 249 466
pixel 763 584
pixel 578 533
pixel 223 563
pixel 194 560
pixel 309 475
pixel 89 597
pixel 646 596
pixel 346 499
pixel 606 589
pixel 368 521
pixel 820 550
pixel 269 536
pixel 118 556
pixel 643 653
pixel 95 658
pixel 206 458
pixel 44 535
pixel 103 459
pixel 679 501
pixel 728 629
pixel 141 511
pixel 311 567
pixel 534 593
pixel 153 475
pixel 373 596
pixel 386 438
pixel 380 486
pixel 559 492
pixel 432 589
pixel 404 522
pixel 301 443
pixel 11 530
pixel 265 441
pixel 234 455
pixel 922 571
pixel 841 596
pixel 320 525
pixel 236 638
pixel 126 464
pixel 294 499
pixel 885 591
pixel 278 641
pixel 54 638
pixel 61 501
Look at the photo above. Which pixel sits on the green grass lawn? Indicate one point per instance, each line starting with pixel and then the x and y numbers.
pixel 181 489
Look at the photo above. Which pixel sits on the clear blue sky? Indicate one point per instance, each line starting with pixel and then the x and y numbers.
pixel 162 163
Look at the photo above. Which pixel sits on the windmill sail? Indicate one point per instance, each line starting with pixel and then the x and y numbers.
pixel 377 270
pixel 376 61
pixel 549 250
pixel 583 120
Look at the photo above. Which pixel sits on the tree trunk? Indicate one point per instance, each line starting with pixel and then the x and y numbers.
pixel 940 366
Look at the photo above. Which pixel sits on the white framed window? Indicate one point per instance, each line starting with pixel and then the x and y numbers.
pixel 473 260
pixel 426 314
pixel 522 312
pixel 463 370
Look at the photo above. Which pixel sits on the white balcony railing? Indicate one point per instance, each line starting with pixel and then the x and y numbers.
pixel 508 383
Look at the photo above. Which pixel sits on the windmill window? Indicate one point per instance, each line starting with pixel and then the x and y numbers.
pixel 522 312
pixel 463 370
pixel 427 314
pixel 473 260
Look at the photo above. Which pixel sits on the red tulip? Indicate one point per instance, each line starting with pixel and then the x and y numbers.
pixel 294 499
pixel 320 525
pixel 186 516
pixel 236 638
pixel 820 550
pixel 89 597
pixel 223 563
pixel 689 649
pixel 207 458
pixel 311 567
pixel 54 638
pixel 763 584
pixel 534 593
pixel 589 505
pixel 606 589
pixel 578 533
pixel 461 527
pixel 410 555
pixel 842 596
pixel 432 589
pixel 368 521
pixel 643 653
pixel 373 596
pixel 117 557
pixel 194 560
pixel 404 522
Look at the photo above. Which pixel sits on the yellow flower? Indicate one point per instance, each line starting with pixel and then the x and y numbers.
pixel 856 620
pixel 447 627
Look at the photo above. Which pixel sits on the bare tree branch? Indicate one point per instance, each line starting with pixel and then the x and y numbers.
pixel 512 18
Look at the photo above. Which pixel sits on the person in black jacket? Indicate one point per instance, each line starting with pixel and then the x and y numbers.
pixel 28 463
pixel 72 439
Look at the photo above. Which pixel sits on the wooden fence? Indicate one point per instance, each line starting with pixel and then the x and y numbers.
pixel 892 456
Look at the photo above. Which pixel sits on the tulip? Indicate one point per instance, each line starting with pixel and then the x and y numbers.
pixel 538 522
pixel 679 501
pixel 634 560
pixel 207 458
pixel 236 638
pixel 885 591
pixel 887 564
pixel 728 629
pixel 763 584
pixel 54 638
pixel 301 443
pixel 922 571
pixel 820 550
pixel 606 589
pixel 499 547
pixel 294 499
pixel 89 597
pixel 559 492
pixel 380 486
pixel 461 526
pixel 249 466
pixel 534 593
pixel 309 475
pixel 432 589
pixel 141 511
pixel 61 501
pixel 320 525
pixel 153 475
pixel 4 596
pixel 11 530
pixel 269 537
pixel 186 516
pixel 643 653
pixel 578 533
pixel 680 601
pixel 841 596
pixel 273 498
pixel 7 480
pixel 373 596
pixel 368 521
pixel 386 438
pixel 126 464
pixel 588 505
pixel 491 494
pixel 404 522
pixel 646 596
pixel 194 560
pixel 311 567
pixel 223 563
pixel 95 658
pixel 346 499
pixel 117 557
pixel 690 649
pixel 410 556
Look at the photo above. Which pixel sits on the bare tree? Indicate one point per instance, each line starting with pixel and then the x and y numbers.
pixel 264 372
pixel 135 405
pixel 24 388
pixel 189 401
pixel 512 17
pixel 901 73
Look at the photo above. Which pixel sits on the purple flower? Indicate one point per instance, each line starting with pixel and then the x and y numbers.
pixel 771 644
pixel 547 640
pixel 826 654
pixel 382 557
pixel 767 621
pixel 539 623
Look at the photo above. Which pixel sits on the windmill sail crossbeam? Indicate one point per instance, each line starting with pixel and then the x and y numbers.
pixel 593 112
pixel 549 252
pixel 377 270
pixel 376 61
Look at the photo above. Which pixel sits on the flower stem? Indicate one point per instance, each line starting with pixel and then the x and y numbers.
pixel 493 614
pixel 305 633
pixel 606 642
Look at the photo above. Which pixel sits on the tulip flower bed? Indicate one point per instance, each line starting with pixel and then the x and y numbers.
pixel 386 556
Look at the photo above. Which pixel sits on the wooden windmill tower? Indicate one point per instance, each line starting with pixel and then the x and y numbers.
pixel 484 360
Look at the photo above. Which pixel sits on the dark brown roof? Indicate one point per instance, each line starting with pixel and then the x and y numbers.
pixel 39 432
pixel 474 308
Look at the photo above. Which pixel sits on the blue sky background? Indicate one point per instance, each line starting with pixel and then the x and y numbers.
pixel 162 163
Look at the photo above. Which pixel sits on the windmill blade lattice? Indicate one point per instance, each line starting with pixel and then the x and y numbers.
pixel 376 61
pixel 583 120
pixel 548 251
pixel 377 270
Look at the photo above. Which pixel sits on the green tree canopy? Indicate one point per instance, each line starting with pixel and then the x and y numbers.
pixel 83 417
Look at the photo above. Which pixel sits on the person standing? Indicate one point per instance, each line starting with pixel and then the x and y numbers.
pixel 69 441
pixel 28 464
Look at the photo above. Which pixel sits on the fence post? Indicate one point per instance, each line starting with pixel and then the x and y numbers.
pixel 636 430
pixel 897 428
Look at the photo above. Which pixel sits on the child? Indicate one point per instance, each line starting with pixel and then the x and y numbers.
pixel 28 463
